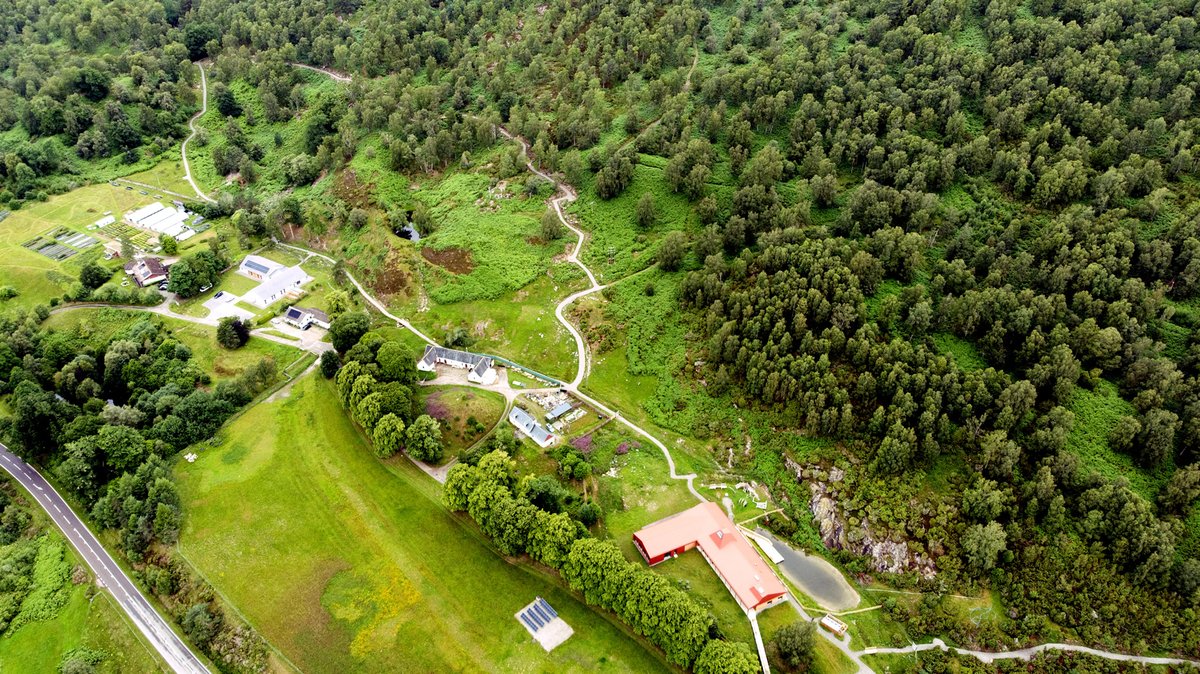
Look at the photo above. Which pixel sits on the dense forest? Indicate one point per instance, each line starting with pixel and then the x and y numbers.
pixel 934 232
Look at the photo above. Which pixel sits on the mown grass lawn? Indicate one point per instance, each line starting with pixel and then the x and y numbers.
pixel 456 407
pixel 346 563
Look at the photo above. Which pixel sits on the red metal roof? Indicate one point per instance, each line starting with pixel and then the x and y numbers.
pixel 734 559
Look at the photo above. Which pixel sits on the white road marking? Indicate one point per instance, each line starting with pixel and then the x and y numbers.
pixel 174 651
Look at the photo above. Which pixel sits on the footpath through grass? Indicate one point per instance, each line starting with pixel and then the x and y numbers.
pixel 348 564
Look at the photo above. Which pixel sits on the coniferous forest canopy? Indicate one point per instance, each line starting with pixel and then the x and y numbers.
pixel 958 239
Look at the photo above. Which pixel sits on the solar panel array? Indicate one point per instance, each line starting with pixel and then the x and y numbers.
pixel 537 615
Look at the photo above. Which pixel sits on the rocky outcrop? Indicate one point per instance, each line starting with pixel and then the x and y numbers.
pixel 886 555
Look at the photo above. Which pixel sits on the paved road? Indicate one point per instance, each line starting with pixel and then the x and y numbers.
pixel 168 644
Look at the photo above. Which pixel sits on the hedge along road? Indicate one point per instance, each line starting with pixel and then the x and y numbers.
pixel 173 650
pixel 566 195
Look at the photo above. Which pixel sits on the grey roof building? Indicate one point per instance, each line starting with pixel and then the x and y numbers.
pixel 530 427
pixel 480 369
pixel 558 411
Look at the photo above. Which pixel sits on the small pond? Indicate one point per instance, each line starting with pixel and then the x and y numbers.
pixel 814 576
pixel 408 232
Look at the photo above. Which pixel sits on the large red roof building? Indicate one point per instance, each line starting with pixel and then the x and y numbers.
pixel 707 528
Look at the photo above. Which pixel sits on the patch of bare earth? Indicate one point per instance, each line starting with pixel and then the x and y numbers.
pixel 392 277
pixel 348 188
pixel 453 260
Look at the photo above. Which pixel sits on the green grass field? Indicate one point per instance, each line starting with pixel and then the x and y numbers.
pixel 505 253
pixel 96 624
pixel 167 174
pixel 827 659
pixel 456 406
pixel 521 327
pixel 617 246
pixel 38 278
pixel 368 572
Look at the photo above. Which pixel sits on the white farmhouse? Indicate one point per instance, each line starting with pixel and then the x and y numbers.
pixel 530 427
pixel 480 369
pixel 276 282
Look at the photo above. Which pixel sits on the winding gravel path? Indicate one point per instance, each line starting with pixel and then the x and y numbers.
pixel 565 195
pixel 187 168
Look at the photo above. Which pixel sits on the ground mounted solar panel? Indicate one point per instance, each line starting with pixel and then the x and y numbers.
pixel 527 622
pixel 549 609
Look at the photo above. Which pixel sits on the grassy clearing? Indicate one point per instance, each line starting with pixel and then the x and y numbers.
pixel 827 659
pixel 521 327
pixel 502 239
pixel 96 624
pixel 963 352
pixel 290 132
pixel 874 628
pixel 1096 412
pixel 102 324
pixel 86 618
pixel 167 174
pixel 618 246
pixel 368 571
pixel 466 413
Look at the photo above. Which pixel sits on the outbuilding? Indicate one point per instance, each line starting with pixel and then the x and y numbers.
pixel 530 427
pixel 302 317
pixel 707 528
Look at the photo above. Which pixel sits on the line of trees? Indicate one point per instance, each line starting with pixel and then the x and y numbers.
pixel 376 384
pixel 649 603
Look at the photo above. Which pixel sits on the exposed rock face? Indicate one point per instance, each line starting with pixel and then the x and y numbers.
pixel 888 556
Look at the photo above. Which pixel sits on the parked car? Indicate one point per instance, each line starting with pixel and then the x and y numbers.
pixel 220 293
pixel 206 288
pixel 162 286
